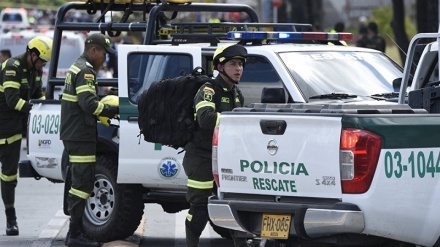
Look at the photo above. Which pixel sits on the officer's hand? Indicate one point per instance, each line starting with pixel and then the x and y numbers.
pixel 114 111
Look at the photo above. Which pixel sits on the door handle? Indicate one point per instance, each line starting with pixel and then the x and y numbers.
pixel 132 119
pixel 273 127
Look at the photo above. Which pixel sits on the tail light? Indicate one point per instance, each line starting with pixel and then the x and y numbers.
pixel 359 155
pixel 214 156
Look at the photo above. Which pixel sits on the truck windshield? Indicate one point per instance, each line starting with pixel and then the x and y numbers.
pixel 356 73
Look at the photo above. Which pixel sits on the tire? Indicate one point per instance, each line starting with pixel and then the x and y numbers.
pixel 113 211
pixel 223 232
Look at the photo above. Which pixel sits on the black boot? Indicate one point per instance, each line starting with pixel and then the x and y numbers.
pixel 11 222
pixel 75 237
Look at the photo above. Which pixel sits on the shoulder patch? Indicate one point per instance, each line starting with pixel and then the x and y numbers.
pixel 89 77
pixel 208 93
pixel 16 63
pixel 208 90
pixel 10 73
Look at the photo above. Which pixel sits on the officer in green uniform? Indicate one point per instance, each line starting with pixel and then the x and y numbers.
pixel 20 80
pixel 212 98
pixel 376 41
pixel 80 108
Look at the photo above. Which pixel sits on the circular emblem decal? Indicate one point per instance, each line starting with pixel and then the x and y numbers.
pixel 272 147
pixel 168 168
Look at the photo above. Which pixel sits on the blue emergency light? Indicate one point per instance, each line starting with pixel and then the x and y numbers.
pixel 288 36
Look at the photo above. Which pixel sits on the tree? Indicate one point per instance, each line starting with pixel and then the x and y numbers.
pixel 299 11
pixel 398 25
pixel 427 16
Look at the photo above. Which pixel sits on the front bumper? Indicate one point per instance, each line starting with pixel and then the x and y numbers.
pixel 309 220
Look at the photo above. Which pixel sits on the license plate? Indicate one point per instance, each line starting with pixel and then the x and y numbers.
pixel 275 226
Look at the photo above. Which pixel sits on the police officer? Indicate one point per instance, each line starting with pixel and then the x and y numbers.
pixel 79 111
pixel 376 41
pixel 212 98
pixel 20 80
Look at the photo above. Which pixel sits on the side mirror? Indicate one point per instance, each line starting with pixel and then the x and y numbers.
pixel 273 95
pixel 397 83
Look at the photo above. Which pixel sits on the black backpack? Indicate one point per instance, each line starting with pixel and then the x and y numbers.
pixel 166 109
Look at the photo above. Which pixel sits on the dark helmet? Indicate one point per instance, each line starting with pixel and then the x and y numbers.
pixel 225 53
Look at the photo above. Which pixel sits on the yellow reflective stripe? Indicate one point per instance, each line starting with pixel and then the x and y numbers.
pixel 189 217
pixel 82 159
pixel 24 81
pixel 203 185
pixel 11 139
pixel 7 178
pixel 42 97
pixel 79 193
pixel 19 104
pixel 74 69
pixel 2 89
pixel 11 84
pixel 84 88
pixel 218 119
pixel 69 97
pixel 98 109
pixel 202 104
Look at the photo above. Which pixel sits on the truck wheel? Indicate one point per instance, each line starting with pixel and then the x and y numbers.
pixel 223 232
pixel 113 211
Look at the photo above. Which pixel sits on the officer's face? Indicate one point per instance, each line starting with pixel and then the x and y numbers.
pixel 39 63
pixel 234 69
pixel 98 57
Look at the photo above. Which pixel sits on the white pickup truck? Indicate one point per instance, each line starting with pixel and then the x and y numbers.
pixel 295 66
pixel 336 172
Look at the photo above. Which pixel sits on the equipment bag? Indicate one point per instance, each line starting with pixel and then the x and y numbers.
pixel 166 109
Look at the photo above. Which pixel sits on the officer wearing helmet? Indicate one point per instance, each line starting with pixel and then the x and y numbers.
pixel 222 94
pixel 20 81
pixel 80 108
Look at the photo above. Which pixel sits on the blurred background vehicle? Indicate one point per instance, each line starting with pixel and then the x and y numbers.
pixel 14 18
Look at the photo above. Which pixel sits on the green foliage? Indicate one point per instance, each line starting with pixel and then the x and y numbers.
pixel 48 4
pixel 383 16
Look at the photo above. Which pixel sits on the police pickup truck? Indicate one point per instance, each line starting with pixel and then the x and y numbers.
pixel 289 66
pixel 336 172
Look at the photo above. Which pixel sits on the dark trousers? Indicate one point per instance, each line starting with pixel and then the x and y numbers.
pixel 82 156
pixel 9 158
pixel 200 187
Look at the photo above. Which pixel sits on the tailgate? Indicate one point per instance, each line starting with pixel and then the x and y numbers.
pixel 44 145
pixel 281 155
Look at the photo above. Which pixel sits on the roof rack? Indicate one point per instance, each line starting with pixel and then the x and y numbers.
pixel 154 10
pixel 190 32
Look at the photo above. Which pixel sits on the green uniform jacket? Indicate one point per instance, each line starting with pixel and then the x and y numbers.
pixel 80 105
pixel 208 113
pixel 18 84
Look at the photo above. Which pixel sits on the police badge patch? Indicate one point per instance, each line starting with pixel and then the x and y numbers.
pixel 208 94
pixel 90 79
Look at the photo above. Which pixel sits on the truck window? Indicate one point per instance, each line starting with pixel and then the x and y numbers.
pixel 12 17
pixel 145 68
pixel 258 74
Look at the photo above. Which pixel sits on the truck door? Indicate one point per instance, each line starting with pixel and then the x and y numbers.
pixel 141 162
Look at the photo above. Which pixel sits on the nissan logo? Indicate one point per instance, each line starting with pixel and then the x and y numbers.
pixel 272 147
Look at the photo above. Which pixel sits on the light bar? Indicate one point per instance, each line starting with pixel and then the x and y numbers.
pixel 288 36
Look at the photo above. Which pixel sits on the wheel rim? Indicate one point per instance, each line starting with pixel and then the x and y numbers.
pixel 101 202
